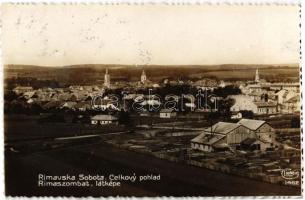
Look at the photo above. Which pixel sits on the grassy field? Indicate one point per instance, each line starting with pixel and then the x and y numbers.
pixel 25 127
pixel 20 127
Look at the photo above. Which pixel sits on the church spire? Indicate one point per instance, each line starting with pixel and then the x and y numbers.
pixel 257 76
pixel 143 77
pixel 107 79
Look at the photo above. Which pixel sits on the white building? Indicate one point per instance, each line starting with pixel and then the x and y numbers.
pixel 245 102
pixel 242 102
pixel 284 95
pixel 167 113
pixel 293 86
pixel 255 96
pixel 104 119
pixel 265 108
pixel 289 101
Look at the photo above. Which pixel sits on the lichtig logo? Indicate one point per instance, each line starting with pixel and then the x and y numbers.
pixel 290 174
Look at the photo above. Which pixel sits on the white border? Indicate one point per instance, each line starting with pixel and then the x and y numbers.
pixel 170 2
pixel 174 2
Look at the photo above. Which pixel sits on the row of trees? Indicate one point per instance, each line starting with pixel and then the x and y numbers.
pixel 28 81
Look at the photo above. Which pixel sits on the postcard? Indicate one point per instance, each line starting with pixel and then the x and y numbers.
pixel 151 100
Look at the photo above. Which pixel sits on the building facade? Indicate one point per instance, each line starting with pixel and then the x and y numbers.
pixel 167 113
pixel 104 119
pixel 232 135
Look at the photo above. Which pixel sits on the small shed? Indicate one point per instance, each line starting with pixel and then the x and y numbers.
pixel 104 119
pixel 167 113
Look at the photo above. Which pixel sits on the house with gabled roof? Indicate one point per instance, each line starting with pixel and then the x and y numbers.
pixel 265 108
pixel 206 142
pixel 167 113
pixel 261 131
pixel 292 105
pixel 284 95
pixel 104 119
pixel 244 102
pixel 221 133
pixel 233 134
pixel 289 101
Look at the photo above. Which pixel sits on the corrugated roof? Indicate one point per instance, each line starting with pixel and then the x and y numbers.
pixel 251 123
pixel 104 117
pixel 222 127
pixel 207 139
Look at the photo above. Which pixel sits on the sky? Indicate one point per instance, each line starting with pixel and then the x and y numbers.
pixel 59 35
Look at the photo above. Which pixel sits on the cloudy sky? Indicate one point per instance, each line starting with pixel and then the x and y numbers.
pixel 57 35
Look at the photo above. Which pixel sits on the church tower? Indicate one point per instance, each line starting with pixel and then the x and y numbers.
pixel 107 79
pixel 143 77
pixel 256 76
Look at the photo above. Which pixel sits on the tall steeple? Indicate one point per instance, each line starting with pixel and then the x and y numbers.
pixel 107 79
pixel 143 77
pixel 256 76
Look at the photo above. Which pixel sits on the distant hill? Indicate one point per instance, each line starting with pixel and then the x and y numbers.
pixel 93 73
pixel 103 66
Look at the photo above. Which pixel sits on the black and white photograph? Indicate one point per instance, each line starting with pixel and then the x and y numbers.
pixel 151 100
